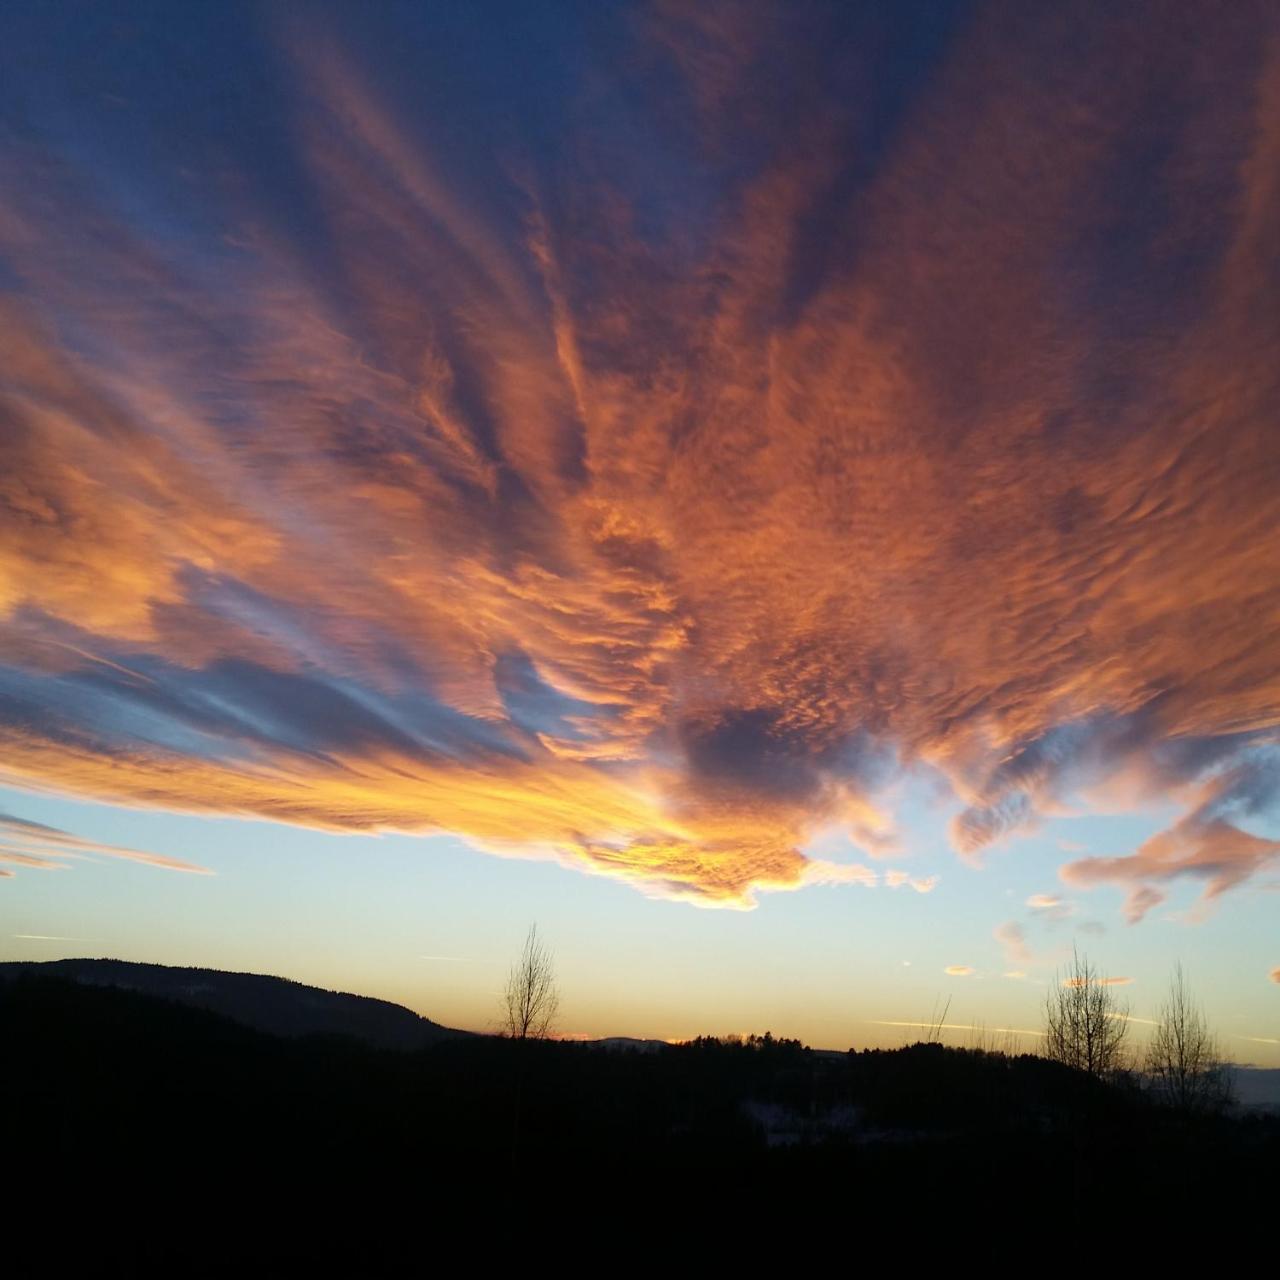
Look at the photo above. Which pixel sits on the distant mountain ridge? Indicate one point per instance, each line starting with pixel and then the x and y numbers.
pixel 278 1006
pixel 1257 1088
pixel 626 1044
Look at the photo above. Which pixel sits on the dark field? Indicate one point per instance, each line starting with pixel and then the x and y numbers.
pixel 169 1132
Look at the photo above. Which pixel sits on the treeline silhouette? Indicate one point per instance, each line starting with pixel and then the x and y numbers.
pixel 325 1143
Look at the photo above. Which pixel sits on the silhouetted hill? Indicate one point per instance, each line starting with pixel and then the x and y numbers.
pixel 275 1005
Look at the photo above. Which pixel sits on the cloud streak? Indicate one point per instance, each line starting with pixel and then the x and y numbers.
pixel 35 846
pixel 958 1026
pixel 644 474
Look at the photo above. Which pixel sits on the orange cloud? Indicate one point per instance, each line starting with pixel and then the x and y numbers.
pixel 654 516
pixel 1044 902
pixel 959 970
pixel 921 884
pixel 1205 845
pixel 1101 982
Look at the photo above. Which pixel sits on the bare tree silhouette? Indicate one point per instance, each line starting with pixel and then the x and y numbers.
pixel 1085 1025
pixel 1184 1063
pixel 531 999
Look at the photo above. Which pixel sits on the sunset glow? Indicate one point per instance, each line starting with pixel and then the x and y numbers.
pixel 735 451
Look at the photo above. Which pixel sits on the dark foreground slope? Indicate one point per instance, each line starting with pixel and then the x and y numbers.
pixel 163 1131
pixel 276 1005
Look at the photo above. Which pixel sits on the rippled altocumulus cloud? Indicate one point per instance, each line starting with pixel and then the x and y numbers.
pixel 637 438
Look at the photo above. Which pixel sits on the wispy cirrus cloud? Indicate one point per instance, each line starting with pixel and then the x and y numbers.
pixel 48 937
pixel 1013 939
pixel 921 884
pixel 373 476
pixel 36 846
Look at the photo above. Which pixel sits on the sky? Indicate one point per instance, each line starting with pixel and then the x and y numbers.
pixel 784 497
